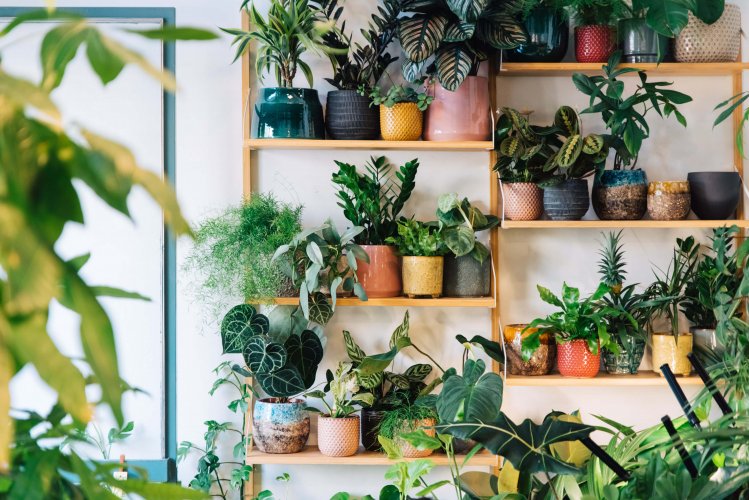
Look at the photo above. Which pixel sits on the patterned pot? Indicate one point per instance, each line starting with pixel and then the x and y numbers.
pixel 640 43
pixel 280 427
pixel 669 200
pixel 350 116
pixel 422 276
pixel 595 43
pixel 401 122
pixel 548 33
pixel 568 200
pixel 370 428
pixel 541 362
pixel 715 195
pixel 462 115
pixel 466 277
pixel 407 449
pixel 288 113
pixel 381 277
pixel 522 201
pixel 575 360
pixel 338 437
pixel 620 195
pixel 667 350
pixel 718 42
pixel 627 362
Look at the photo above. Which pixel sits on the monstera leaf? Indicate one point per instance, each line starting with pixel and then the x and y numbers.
pixel 304 353
pixel 474 397
pixel 264 356
pixel 239 324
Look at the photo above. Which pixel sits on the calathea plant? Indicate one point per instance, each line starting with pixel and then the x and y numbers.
pixel 523 149
pixel 461 221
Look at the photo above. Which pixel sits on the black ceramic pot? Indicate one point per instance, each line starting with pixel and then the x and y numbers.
pixel 640 43
pixel 466 277
pixel 715 195
pixel 370 427
pixel 548 34
pixel 620 195
pixel 568 200
pixel 350 116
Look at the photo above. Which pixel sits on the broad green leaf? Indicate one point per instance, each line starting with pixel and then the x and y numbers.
pixel 59 47
pixel 491 348
pixel 460 240
pixel 320 310
pixel 130 57
pixel 105 64
pixel 262 356
pixel 474 397
pixel 21 93
pixel 174 33
pixel 304 352
pixel 376 362
pixel 239 325
pixel 283 383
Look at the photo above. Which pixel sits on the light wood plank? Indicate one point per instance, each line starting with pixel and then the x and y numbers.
pixel 642 379
pixel 304 144
pixel 312 456
pixel 671 69
pixel 485 302
pixel 615 224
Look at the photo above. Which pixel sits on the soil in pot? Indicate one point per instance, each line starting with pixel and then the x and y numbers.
pixel 575 360
pixel 714 195
pixel 541 362
pixel 422 276
pixel 669 200
pixel 462 115
pixel 370 428
pixel 627 362
pixel 401 122
pixel 594 43
pixel 381 276
pixel 280 427
pixel 568 200
pixel 667 350
pixel 522 201
pixel 349 116
pixel 466 277
pixel 288 113
pixel 620 195
pixel 338 437
pixel 640 43
pixel 548 33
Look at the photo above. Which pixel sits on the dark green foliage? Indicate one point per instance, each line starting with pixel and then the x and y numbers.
pixel 397 94
pixel 669 17
pixel 404 418
pixel 239 325
pixel 374 200
pixel 727 108
pixel 421 239
pixel 460 221
pixel 597 12
pixel 474 397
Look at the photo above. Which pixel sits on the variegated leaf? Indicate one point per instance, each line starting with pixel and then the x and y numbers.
pixel 418 372
pixel 400 333
pixel 531 152
pixel 412 71
pixel 320 310
pixel 239 325
pixel 454 62
pixel 353 350
pixel 592 144
pixel 570 151
pixel 468 10
pixel 262 356
pixel 370 381
pixel 459 31
pixel 399 381
pixel 566 119
pixel 510 147
pixel 421 35
pixel 502 32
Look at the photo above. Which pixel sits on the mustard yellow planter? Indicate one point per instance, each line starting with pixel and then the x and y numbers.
pixel 401 122
pixel 666 350
pixel 422 276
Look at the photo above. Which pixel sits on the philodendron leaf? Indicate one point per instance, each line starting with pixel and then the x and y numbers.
pixel 474 397
pixel 491 348
pixel 239 324
pixel 460 240
pixel 377 362
pixel 304 352
pixel 263 356
pixel 447 202
pixel 285 321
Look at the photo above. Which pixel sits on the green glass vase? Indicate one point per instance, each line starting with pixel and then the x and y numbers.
pixel 288 113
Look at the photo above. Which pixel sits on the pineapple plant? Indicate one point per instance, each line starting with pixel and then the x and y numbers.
pixel 611 265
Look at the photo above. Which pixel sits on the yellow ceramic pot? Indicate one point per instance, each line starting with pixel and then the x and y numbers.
pixel 401 122
pixel 422 276
pixel 666 350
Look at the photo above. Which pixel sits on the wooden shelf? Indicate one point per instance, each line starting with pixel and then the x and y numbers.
pixel 673 69
pixel 485 302
pixel 301 144
pixel 312 456
pixel 642 379
pixel 615 224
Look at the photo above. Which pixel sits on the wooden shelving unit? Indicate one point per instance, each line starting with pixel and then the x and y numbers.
pixel 642 379
pixel 622 224
pixel 482 302
pixel 332 145
pixel 674 69
pixel 312 456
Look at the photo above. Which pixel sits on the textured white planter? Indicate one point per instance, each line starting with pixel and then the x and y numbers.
pixel 718 42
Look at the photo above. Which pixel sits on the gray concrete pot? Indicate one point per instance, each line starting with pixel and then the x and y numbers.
pixel 466 277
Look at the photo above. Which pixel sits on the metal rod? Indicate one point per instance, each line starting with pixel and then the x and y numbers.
pixel 606 458
pixel 680 396
pixel 679 444
pixel 710 384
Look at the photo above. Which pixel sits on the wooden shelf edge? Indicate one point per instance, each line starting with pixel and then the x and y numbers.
pixel 616 224
pixel 306 144
pixel 668 68
pixel 312 456
pixel 642 379
pixel 482 302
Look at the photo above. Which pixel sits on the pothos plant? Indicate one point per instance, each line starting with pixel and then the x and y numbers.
pixel 461 221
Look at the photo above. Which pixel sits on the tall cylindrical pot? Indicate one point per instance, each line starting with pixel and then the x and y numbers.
pixel 627 362
pixel 280 427
pixel 370 428
pixel 707 43
pixel 620 195
pixel 594 43
pixel 288 113
pixel 714 195
pixel 381 276
pixel 338 437
pixel 568 200
pixel 466 277
pixel 422 276
pixel 669 200
pixel 548 32
pixel 575 359
pixel 672 352
pixel 401 122
pixel 350 116
pixel 522 201
pixel 640 43
pixel 462 115
pixel 541 362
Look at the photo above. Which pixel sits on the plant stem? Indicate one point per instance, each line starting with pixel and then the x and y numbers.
pixel 429 357
pixel 551 485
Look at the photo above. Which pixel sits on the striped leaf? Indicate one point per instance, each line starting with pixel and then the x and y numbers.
pixel 400 334
pixel 412 71
pixel 398 381
pixel 531 152
pixel 510 147
pixel 371 381
pixel 418 372
pixel 459 31
pixel 567 120
pixel 501 32
pixel 468 10
pixel 551 162
pixel 420 35
pixel 520 123
pixel 592 144
pixel 353 350
pixel 570 151
pixel 454 63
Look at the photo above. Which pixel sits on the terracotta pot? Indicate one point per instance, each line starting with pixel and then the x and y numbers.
pixel 575 360
pixel 462 115
pixel 381 277
pixel 407 449
pixel 280 427
pixel 338 437
pixel 422 276
pixel 594 43
pixel 667 350
pixel 401 122
pixel 522 201
pixel 541 362
pixel 669 200
pixel 718 42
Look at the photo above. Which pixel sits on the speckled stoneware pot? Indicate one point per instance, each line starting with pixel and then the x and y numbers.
pixel 620 195
pixel 627 362
pixel 667 350
pixel 280 427
pixel 541 362
pixel 669 200
pixel 422 276
pixel 466 277
pixel 568 200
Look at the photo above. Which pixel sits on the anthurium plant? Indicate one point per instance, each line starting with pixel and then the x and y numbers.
pixel 461 221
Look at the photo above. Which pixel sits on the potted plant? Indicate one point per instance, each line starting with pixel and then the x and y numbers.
pixel 338 427
pixel 409 418
pixel 450 40
pixel 401 111
pixel 523 150
pixel 374 201
pixel 291 28
pixel 622 193
pixel 467 271
pixel 348 113
pixel 627 328
pixel 666 296
pixel 595 32
pixel 321 262
pixel 579 329
pixel 671 18
pixel 639 42
pixel 704 42
pixel 284 365
pixel 422 247
pixel 543 359
pixel 546 23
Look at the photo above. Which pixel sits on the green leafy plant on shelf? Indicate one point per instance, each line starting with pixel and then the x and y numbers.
pixel 530 5
pixel 96 438
pixel 421 239
pixel 597 12
pixel 669 18
pixel 374 200
pixel 404 419
pixel 343 388
pixel 727 108
pixel 398 94
pixel 461 221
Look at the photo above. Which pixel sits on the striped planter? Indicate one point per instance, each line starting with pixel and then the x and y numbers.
pixel 568 200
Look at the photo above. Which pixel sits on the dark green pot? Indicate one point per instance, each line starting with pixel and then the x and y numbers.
pixel 288 113
pixel 548 34
pixel 627 362
pixel 639 43
pixel 466 277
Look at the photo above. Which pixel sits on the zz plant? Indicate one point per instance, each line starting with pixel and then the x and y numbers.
pixel 461 221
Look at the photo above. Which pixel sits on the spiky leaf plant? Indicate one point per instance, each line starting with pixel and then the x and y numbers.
pixel 611 265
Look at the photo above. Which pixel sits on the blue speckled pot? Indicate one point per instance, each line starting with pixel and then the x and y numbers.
pixel 280 427
pixel 620 194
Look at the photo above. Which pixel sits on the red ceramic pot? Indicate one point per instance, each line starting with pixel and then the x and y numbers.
pixel 462 115
pixel 574 359
pixel 594 44
pixel 381 277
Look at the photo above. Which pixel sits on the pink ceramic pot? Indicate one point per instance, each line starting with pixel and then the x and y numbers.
pixel 462 115
pixel 338 437
pixel 381 277
pixel 575 359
